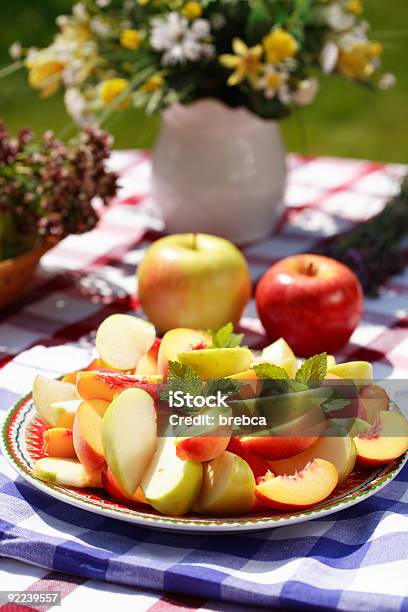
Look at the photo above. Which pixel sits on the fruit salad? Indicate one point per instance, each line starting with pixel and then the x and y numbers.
pixel 103 423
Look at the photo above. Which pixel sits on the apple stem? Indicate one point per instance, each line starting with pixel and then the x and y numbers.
pixel 310 269
pixel 194 241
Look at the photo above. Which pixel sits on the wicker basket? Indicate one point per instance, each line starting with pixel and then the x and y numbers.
pixel 16 273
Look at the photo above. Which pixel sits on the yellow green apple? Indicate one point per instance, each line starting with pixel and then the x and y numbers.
pixel 193 280
pixel 170 484
pixel 228 486
pixel 217 362
pixel 129 437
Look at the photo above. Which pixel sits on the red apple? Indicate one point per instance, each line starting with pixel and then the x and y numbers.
pixel 193 280
pixel 313 302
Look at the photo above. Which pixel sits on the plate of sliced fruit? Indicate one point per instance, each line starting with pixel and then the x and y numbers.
pixel 92 438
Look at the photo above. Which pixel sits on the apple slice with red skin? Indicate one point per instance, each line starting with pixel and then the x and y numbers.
pixel 298 491
pixel 112 487
pixel 289 438
pixel 87 436
pixel 258 465
pixel 386 440
pixel 373 400
pixel 179 340
pixel 105 384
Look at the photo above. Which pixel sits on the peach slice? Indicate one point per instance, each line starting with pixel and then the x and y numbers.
pixel 310 486
pixel 103 384
pixel 111 486
pixel 47 391
pixel 148 363
pixel 129 436
pixel 386 440
pixel 71 377
pixel 228 486
pixel 87 435
pixel 121 340
pixel 178 341
pixel 58 442
pixel 66 472
pixel 335 446
pixel 200 448
pixel 63 413
pixel 373 399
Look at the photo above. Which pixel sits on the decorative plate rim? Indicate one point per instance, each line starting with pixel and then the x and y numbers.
pixel 21 415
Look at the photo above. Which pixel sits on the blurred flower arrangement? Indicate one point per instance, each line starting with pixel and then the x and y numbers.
pixel 261 54
pixel 47 188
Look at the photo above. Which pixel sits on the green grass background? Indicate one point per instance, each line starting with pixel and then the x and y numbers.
pixel 345 120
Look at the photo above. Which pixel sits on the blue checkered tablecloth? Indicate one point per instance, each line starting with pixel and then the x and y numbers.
pixel 354 560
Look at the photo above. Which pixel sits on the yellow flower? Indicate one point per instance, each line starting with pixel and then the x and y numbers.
pixel 246 62
pixel 111 89
pixel 192 10
pixel 355 7
pixel 131 39
pixel 155 82
pixel 279 45
pixel 45 75
pixel 358 61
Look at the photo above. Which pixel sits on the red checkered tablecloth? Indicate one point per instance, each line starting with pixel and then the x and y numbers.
pixel 87 277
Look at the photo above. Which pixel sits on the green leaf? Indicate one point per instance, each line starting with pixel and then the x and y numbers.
pixel 269 370
pixel 225 337
pixel 336 401
pixel 183 378
pixel 226 386
pixel 314 368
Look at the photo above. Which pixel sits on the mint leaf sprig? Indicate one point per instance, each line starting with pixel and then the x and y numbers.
pixel 312 370
pixel 225 337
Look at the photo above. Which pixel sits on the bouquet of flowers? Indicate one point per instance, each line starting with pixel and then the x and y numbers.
pixel 264 55
pixel 47 188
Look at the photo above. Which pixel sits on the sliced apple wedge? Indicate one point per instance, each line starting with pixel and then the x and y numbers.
pixel 121 341
pixel 47 391
pixel 170 484
pixel 373 400
pixel 335 446
pixel 277 352
pixel 148 364
pixel 129 436
pixel 111 486
pixel 66 472
pixel 228 486
pixel 179 340
pixel 359 371
pixel 63 413
pixel 87 433
pixel 58 442
pixel 352 426
pixel 386 440
pixel 218 362
pixel 308 487
pixel 258 465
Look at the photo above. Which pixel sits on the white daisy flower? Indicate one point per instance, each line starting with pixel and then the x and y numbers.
pixel 15 50
pixel 306 92
pixel 274 83
pixel 78 108
pixel 337 18
pixel 329 56
pixel 179 40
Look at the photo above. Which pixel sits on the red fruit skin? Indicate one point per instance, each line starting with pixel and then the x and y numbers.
pixel 258 466
pixel 313 302
pixel 109 484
